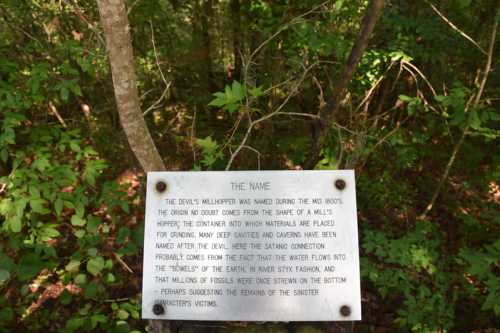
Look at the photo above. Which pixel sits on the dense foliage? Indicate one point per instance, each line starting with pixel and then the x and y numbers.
pixel 238 84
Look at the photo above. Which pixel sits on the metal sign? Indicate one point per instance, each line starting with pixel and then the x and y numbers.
pixel 251 246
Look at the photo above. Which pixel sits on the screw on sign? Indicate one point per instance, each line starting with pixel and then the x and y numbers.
pixel 345 310
pixel 158 309
pixel 161 186
pixel 340 184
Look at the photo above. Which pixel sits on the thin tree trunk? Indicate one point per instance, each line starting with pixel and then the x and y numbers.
pixel 117 32
pixel 328 113
pixel 237 37
pixel 202 46
pixel 206 20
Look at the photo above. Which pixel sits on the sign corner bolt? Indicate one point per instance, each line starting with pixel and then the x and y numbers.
pixel 340 184
pixel 158 309
pixel 161 186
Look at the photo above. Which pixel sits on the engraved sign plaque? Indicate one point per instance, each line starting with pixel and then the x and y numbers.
pixel 251 246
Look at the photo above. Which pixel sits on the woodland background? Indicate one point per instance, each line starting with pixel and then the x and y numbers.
pixel 247 85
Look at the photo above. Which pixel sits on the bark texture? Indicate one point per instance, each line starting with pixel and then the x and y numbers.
pixel 328 113
pixel 119 47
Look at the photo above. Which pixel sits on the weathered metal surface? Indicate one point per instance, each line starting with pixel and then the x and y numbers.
pixel 251 246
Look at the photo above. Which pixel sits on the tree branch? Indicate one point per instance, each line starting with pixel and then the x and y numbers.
pixel 454 27
pixel 474 102
pixel 368 24
pixel 328 113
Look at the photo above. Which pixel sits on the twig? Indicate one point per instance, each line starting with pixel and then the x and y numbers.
pixel 158 101
pixel 111 300
pixel 3 186
pixel 129 10
pixel 410 68
pixel 145 94
pixel 454 27
pixel 255 151
pixel 193 141
pixel 167 84
pixel 299 114
pixel 7 17
pixel 475 104
pixel 81 16
pixel 385 137
pixel 287 99
pixel 276 112
pixel 156 53
pixel 53 109
pixel 238 149
pixel 123 263
pixel 321 97
pixel 249 62
pixel 283 83
pixel 233 131
pixel 369 93
pixel 421 75
pixel 284 27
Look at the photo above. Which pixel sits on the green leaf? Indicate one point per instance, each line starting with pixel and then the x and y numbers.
pixel 98 319
pixel 121 327
pixel 81 279
pixel 37 206
pixel 123 233
pixel 256 92
pixel 238 91
pixel 73 266
pixel 34 192
pixel 74 323
pixel 65 297
pixel 4 276
pixel 207 144
pixel 92 252
pixel 14 223
pixel 29 266
pixel 20 206
pixel 6 315
pixel 4 155
pixel 231 99
pixel 58 206
pixel 496 309
pixel 218 102
pixel 405 98
pixel 95 265
pixel 49 232
pixel 78 221
pixel 90 290
pixel 75 146
pixel 79 233
pixel 64 93
pixel 79 207
pixel 92 170
pixel 122 314
pixel 110 278
pixel 108 264
pixel 92 224
pixel 232 107
pixel 41 163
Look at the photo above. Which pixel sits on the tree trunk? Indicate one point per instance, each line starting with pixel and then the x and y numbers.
pixel 328 113
pixel 117 32
pixel 202 53
pixel 237 37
